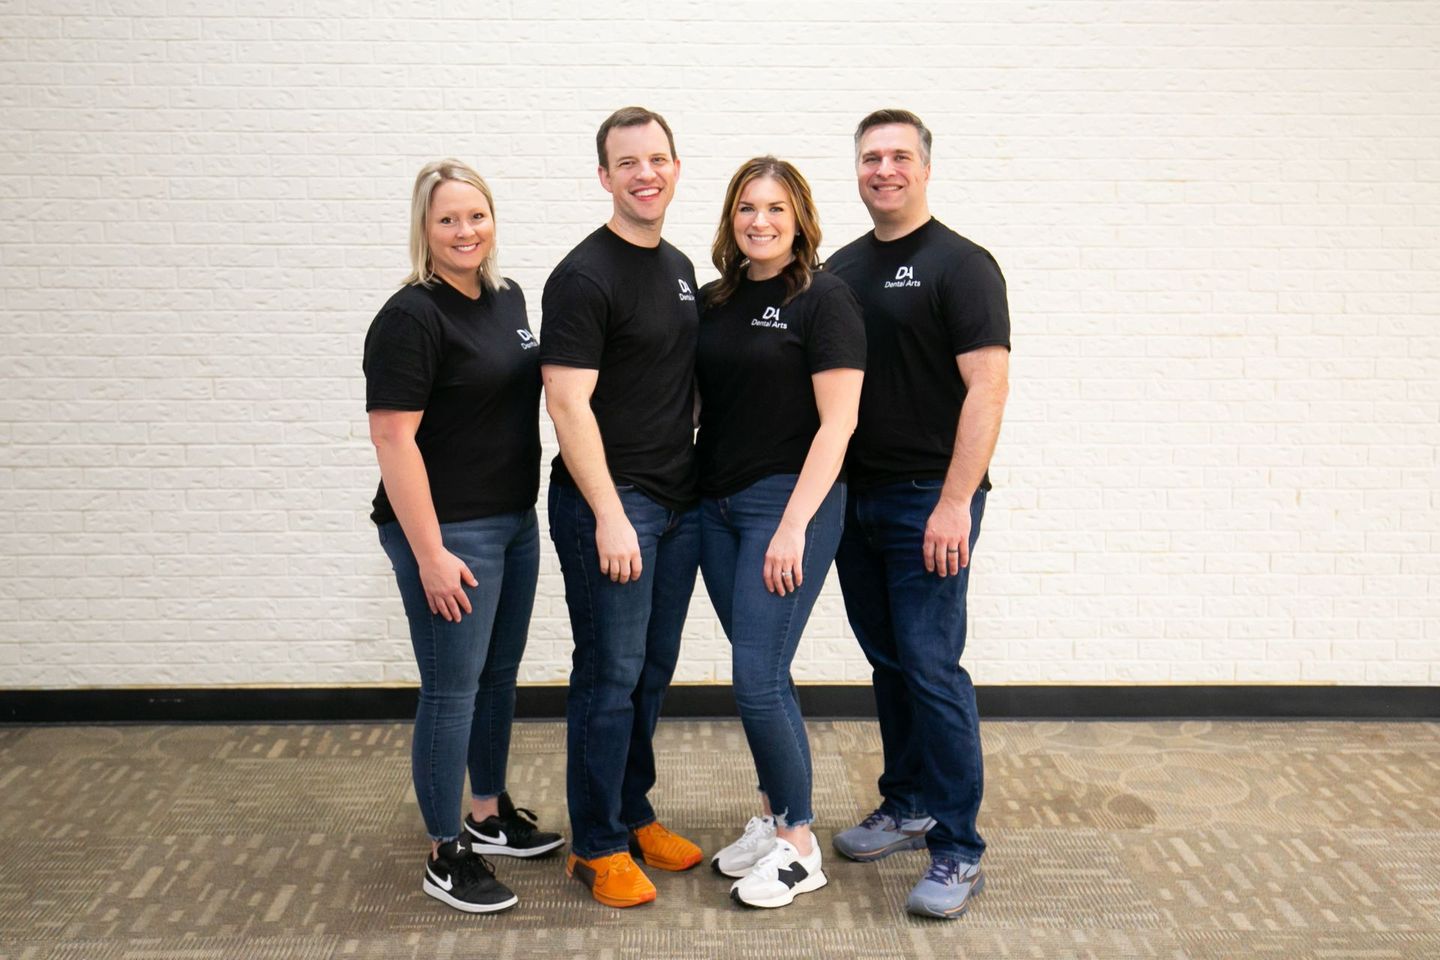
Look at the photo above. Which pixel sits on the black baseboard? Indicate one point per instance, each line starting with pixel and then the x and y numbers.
pixel 834 701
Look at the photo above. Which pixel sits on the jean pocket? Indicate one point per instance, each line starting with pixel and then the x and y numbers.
pixel 928 484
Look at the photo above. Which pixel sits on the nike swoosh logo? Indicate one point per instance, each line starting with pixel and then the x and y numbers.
pixel 445 884
pixel 792 874
pixel 500 839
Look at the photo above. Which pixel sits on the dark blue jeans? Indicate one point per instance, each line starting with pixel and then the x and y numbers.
pixel 764 629
pixel 911 625
pixel 627 640
pixel 467 669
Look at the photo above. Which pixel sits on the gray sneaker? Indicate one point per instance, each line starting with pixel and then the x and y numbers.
pixel 880 834
pixel 946 888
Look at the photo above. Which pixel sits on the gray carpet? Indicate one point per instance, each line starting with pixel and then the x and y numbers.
pixel 1107 840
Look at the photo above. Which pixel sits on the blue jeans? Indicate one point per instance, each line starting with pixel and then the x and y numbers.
pixel 627 640
pixel 467 669
pixel 764 629
pixel 911 625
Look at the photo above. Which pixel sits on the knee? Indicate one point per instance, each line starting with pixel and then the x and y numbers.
pixel 757 688
pixel 622 670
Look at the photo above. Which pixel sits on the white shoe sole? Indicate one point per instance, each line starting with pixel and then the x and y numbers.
pixel 813 882
pixel 734 872
pixel 445 898
pixel 480 846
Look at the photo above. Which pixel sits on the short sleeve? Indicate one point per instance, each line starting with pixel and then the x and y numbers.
pixel 402 354
pixel 974 305
pixel 835 337
pixel 574 313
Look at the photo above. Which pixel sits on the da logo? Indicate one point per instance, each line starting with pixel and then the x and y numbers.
pixel 527 340
pixel 770 318
pixel 685 293
pixel 904 277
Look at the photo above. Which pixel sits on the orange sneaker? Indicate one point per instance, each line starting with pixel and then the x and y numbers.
pixel 663 849
pixel 614 880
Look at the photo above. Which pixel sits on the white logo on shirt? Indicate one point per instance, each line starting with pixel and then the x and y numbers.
pixel 685 293
pixel 527 340
pixel 904 277
pixel 771 318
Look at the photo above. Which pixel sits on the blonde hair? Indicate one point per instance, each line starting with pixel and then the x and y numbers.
pixel 725 252
pixel 422 268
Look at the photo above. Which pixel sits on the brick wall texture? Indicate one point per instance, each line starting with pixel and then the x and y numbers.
pixel 1220 223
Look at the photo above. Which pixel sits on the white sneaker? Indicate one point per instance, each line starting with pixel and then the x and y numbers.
pixel 757 840
pixel 779 876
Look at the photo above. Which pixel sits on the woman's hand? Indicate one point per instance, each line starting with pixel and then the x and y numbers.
pixel 444 577
pixel 784 560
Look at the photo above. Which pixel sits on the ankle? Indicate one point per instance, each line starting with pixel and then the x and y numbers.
pixel 798 837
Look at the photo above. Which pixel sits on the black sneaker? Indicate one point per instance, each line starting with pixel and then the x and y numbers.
pixel 513 833
pixel 465 881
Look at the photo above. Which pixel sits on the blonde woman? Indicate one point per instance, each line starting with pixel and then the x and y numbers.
pixel 452 389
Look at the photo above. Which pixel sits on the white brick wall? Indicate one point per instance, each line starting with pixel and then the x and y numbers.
pixel 1220 223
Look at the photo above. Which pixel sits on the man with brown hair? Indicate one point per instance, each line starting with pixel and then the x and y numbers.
pixel 938 332
pixel 617 354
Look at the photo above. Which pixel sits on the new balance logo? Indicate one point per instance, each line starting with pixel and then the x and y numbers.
pixel 527 340
pixel 904 277
pixel 770 318
pixel 444 883
pixel 685 293
pixel 792 874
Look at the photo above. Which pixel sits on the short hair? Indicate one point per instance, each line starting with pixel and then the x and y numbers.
pixel 422 266
pixel 725 252
pixel 880 118
pixel 629 117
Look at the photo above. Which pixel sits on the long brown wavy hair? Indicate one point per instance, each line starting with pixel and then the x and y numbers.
pixel 725 252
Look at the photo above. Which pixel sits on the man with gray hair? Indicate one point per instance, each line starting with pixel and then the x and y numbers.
pixel 938 331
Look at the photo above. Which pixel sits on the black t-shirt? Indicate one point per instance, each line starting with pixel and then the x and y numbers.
pixel 755 360
pixel 629 312
pixel 927 297
pixel 473 367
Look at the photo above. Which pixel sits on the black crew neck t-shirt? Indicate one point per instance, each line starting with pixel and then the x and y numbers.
pixel 629 312
pixel 473 366
pixel 927 297
pixel 754 363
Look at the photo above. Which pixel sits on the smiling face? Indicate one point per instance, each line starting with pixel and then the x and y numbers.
pixel 461 232
pixel 764 223
pixel 640 175
pixel 893 175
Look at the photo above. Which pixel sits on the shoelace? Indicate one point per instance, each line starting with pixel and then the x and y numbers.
pixel 620 866
pixel 520 824
pixel 756 832
pixel 877 817
pixel 769 865
pixel 945 871
pixel 474 867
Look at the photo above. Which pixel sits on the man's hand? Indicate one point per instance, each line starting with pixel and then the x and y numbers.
pixel 618 547
pixel 947 537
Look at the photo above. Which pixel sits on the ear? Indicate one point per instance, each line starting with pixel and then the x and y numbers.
pixel 604 179
pixel 676 162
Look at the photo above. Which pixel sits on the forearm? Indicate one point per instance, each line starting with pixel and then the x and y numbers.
pixel 975 438
pixel 407 485
pixel 817 475
pixel 583 451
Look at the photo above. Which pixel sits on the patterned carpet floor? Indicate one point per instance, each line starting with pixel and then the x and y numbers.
pixel 1174 840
